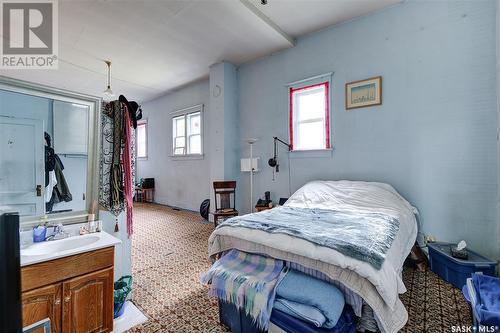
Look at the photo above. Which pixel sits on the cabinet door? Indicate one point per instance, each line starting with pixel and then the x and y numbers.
pixel 88 303
pixel 41 303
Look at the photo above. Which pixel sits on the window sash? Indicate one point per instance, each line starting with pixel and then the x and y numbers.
pixel 190 117
pixel 183 150
pixel 178 149
pixel 190 151
pixel 318 142
pixel 294 122
pixel 143 125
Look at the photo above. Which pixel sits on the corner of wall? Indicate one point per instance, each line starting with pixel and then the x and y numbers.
pixel 224 123
pixel 123 251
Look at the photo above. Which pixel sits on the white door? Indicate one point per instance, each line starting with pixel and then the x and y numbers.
pixel 22 166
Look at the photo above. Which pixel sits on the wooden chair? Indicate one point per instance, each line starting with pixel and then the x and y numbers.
pixel 224 206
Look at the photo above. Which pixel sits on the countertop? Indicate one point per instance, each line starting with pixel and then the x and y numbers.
pixel 60 247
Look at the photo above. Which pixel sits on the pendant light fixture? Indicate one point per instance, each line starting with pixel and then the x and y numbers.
pixel 108 93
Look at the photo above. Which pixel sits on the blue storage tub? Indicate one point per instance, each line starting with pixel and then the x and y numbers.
pixel 454 270
pixel 239 322
pixel 471 296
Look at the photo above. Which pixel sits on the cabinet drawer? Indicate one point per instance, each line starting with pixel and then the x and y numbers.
pixel 44 273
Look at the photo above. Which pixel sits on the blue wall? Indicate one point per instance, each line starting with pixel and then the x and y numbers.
pixel 179 182
pixel 434 137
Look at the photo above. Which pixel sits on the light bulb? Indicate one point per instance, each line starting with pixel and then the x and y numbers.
pixel 108 93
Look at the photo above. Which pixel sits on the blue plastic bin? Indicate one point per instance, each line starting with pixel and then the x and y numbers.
pixel 471 296
pixel 456 271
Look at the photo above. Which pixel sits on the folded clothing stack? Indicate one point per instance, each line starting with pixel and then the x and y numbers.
pixel 311 300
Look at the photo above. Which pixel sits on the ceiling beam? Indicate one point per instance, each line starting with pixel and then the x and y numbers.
pixel 248 4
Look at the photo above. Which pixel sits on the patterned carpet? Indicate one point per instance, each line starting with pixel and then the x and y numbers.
pixel 169 252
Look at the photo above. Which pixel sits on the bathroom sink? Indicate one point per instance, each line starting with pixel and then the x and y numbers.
pixel 58 246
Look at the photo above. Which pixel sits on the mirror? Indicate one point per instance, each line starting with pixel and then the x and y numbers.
pixel 46 143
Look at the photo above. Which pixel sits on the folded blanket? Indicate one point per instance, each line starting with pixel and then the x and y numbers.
pixel 362 236
pixel 346 323
pixel 246 280
pixel 306 313
pixel 304 289
pixel 488 299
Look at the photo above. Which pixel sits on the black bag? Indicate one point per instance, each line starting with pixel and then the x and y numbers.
pixel 205 208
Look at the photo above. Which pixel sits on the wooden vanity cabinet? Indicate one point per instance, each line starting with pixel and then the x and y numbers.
pixel 85 303
pixel 41 303
pixel 75 292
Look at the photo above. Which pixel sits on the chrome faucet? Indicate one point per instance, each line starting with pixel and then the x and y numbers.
pixel 58 232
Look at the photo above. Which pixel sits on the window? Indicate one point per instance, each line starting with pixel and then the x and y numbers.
pixel 187 132
pixel 310 116
pixel 142 139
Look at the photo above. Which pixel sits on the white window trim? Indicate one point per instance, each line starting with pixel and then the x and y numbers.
pixel 140 122
pixel 185 112
pixel 326 77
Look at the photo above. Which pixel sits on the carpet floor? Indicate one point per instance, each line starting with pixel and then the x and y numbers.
pixel 169 252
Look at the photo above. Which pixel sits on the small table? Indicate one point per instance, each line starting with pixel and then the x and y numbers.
pixel 262 208
pixel 144 194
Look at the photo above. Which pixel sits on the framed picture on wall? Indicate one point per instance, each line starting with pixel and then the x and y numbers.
pixel 363 93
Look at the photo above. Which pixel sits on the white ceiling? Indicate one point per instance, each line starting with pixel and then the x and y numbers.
pixel 156 46
pixel 300 17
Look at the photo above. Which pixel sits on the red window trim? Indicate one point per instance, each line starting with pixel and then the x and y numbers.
pixel 326 84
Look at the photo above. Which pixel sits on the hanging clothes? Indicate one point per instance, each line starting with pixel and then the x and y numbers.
pixel 51 175
pixel 49 160
pixel 128 190
pixel 117 171
pixel 109 188
pixel 56 187
pixel 116 112
pixel 62 188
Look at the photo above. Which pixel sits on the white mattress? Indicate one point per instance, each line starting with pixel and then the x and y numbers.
pixel 370 197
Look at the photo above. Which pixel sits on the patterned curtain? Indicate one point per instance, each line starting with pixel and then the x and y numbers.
pixel 107 152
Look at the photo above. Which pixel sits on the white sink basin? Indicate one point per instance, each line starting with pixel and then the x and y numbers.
pixel 58 246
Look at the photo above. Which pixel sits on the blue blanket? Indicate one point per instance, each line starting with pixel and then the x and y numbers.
pixel 307 313
pixel 488 299
pixel 363 236
pixel 307 290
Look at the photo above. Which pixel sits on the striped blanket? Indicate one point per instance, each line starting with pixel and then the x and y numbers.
pixel 247 281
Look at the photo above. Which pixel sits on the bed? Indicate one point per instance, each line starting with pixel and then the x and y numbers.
pixel 377 283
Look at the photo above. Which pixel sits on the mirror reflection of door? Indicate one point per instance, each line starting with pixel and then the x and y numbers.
pixel 22 165
pixel 43 154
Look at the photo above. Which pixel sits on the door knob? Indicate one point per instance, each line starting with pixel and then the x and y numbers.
pixel 39 190
pixel 67 299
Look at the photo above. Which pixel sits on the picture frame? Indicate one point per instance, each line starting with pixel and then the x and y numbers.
pixel 363 93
